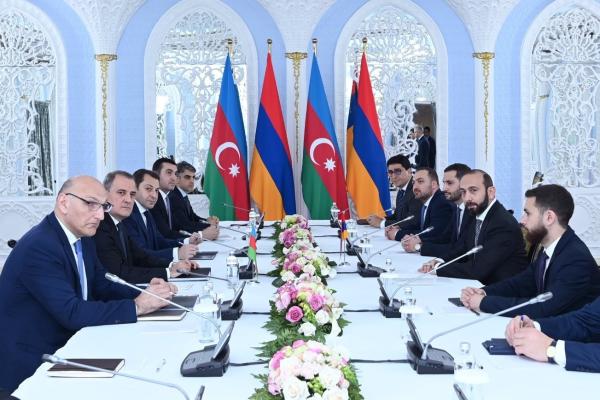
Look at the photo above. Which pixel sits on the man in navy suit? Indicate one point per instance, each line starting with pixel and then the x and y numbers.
pixel 53 284
pixel 400 174
pixel 423 153
pixel 564 265
pixel 435 211
pixel 165 168
pixel 183 216
pixel 141 226
pixel 503 254
pixel 570 340
pixel 460 220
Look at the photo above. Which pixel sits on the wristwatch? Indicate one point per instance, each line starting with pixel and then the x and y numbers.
pixel 418 247
pixel 551 352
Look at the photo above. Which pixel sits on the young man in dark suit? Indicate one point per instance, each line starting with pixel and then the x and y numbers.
pixel 183 216
pixel 400 174
pixel 121 255
pixel 166 170
pixel 435 211
pixel 53 284
pixel 432 146
pixel 503 254
pixel 142 227
pixel 461 219
pixel 570 340
pixel 564 265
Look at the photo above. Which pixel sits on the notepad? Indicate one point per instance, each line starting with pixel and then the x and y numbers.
pixel 163 315
pixel 68 371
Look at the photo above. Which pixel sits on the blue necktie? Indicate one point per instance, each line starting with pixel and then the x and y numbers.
pixel 81 269
pixel 168 207
pixel 423 211
pixel 150 230
pixel 540 269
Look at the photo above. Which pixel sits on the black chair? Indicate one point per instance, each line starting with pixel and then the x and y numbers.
pixel 11 243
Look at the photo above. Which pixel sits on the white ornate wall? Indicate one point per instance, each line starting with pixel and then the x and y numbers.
pixel 568 155
pixel 19 213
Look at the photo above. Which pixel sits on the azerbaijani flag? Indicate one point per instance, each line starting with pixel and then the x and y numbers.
pixel 322 170
pixel 252 244
pixel 271 176
pixel 366 165
pixel 226 174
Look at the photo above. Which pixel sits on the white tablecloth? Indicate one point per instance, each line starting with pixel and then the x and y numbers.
pixel 370 336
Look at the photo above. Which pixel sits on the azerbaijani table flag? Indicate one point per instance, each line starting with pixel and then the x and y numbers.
pixel 226 175
pixel 323 179
pixel 366 165
pixel 271 176
pixel 252 243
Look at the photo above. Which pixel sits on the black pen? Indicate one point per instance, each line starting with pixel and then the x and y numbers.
pixel 474 311
pixel 200 393
pixel 459 392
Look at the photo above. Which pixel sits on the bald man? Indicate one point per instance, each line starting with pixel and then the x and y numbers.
pixel 53 284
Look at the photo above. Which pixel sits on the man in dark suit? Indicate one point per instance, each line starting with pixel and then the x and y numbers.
pixel 432 146
pixel 142 227
pixel 422 158
pixel 460 220
pixel 564 265
pixel 121 255
pixel 183 216
pixel 400 174
pixel 503 254
pixel 53 284
pixel 165 168
pixel 435 211
pixel 570 340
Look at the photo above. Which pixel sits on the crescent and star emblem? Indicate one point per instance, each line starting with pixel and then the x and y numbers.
pixel 234 169
pixel 329 163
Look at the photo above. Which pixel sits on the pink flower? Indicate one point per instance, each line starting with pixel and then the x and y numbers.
pixel 294 314
pixel 276 359
pixel 285 299
pixel 295 267
pixel 298 343
pixel 316 302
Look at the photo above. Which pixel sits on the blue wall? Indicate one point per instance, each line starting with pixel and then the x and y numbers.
pixel 81 85
pixel 507 86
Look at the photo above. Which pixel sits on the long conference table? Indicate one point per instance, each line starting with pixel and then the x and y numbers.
pixel 156 349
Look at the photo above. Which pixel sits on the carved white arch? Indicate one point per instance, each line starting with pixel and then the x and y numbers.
pixel 152 53
pixel 586 220
pixel 425 19
pixel 60 157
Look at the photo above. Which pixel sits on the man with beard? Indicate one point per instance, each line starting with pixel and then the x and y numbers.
pixel 400 175
pixel 435 211
pixel 503 253
pixel 458 223
pixel 564 266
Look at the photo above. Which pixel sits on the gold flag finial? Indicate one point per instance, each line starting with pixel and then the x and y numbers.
pixel 230 46
pixel 364 41
pixel 314 44
pixel 269 44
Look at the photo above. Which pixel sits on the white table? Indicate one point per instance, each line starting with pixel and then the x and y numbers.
pixel 369 336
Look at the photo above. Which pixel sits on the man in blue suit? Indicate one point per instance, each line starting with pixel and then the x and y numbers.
pixel 52 284
pixel 435 211
pixel 564 265
pixel 570 340
pixel 141 225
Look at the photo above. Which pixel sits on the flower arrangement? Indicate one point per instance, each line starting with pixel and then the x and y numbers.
pixel 288 221
pixel 289 237
pixel 309 370
pixel 303 308
pixel 302 258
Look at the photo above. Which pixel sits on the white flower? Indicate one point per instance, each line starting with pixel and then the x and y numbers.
pixel 309 369
pixel 315 396
pixel 286 250
pixel 325 270
pixel 332 272
pixel 290 366
pixel 295 389
pixel 322 317
pixel 309 357
pixel 329 377
pixel 307 329
pixel 335 394
pixel 337 312
pixel 288 276
pixel 309 269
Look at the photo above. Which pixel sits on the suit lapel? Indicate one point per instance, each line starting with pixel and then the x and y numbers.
pixel 69 252
pixel 139 219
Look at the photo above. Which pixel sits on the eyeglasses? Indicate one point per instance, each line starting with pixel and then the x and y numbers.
pixel 93 205
pixel 396 171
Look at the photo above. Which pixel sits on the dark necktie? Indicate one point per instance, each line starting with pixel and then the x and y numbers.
pixel 478 223
pixel 188 206
pixel 458 220
pixel 150 229
pixel 399 199
pixel 540 269
pixel 81 269
pixel 122 238
pixel 423 212
pixel 168 208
